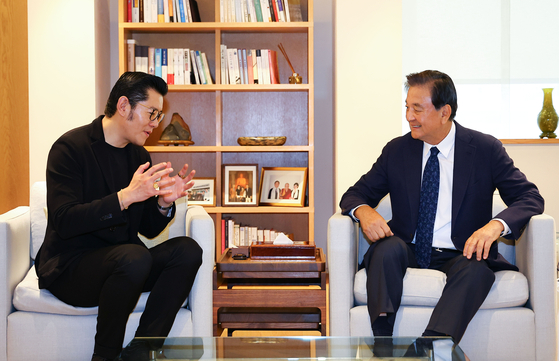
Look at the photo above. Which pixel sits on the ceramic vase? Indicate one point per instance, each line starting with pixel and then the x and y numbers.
pixel 547 119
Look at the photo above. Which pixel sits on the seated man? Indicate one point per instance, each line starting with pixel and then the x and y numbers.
pixel 102 191
pixel 441 178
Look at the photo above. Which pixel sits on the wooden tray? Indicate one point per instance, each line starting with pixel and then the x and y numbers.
pixel 289 251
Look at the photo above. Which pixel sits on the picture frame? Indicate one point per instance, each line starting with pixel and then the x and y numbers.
pixel 291 188
pixel 240 185
pixel 202 192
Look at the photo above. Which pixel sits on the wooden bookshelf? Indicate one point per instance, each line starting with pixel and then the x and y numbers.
pixel 220 113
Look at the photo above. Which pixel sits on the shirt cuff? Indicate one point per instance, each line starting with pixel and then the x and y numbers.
pixel 506 230
pixel 352 213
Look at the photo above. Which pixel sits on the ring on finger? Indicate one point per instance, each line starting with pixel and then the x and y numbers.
pixel 182 176
pixel 156 186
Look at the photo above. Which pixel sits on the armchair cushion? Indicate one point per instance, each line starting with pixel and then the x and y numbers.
pixel 423 287
pixel 28 297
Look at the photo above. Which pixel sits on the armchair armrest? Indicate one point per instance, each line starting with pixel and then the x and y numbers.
pixel 342 265
pixel 537 259
pixel 200 227
pixel 14 261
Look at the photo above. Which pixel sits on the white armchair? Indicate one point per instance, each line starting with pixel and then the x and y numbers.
pixel 38 326
pixel 517 321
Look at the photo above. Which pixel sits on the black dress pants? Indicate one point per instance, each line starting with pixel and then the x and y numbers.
pixel 113 279
pixel 468 283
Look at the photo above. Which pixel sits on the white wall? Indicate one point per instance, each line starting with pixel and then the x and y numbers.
pixel 368 38
pixel 63 72
pixel 540 163
pixel 369 99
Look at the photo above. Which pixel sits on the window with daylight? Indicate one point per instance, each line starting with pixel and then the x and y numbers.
pixel 500 55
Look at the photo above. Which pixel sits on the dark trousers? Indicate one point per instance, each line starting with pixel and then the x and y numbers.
pixel 468 283
pixel 113 279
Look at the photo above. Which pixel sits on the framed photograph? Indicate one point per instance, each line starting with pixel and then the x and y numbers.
pixel 240 185
pixel 202 193
pixel 283 186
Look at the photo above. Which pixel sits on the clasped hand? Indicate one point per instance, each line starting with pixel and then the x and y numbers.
pixel 156 181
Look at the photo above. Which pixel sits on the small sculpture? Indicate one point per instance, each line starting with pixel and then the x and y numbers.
pixel 177 132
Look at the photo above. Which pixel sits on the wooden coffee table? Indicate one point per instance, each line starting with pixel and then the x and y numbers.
pixel 270 294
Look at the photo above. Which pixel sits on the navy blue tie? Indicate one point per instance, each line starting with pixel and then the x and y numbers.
pixel 427 210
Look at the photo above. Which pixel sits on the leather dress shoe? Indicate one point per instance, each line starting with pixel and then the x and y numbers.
pixel 383 347
pixel 96 357
pixel 141 350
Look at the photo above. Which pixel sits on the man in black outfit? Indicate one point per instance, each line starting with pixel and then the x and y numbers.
pixel 102 192
pixel 441 218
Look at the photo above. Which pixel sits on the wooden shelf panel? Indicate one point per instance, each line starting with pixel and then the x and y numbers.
pixel 210 27
pixel 227 149
pixel 529 141
pixel 259 210
pixel 240 88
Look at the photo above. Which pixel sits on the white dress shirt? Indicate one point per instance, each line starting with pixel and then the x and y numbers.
pixel 443 227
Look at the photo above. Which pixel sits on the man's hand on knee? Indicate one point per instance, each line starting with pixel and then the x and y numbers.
pixel 480 242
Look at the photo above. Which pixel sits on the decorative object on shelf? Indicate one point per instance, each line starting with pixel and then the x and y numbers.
pixel 295 78
pixel 202 193
pixel 262 140
pixel 547 119
pixel 176 133
pixel 240 185
pixel 283 186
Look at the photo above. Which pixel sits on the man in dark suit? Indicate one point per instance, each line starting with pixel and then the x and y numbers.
pixel 102 191
pixel 468 166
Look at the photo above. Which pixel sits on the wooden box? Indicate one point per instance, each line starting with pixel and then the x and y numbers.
pixel 284 251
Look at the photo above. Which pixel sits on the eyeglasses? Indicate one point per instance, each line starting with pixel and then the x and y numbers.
pixel 155 115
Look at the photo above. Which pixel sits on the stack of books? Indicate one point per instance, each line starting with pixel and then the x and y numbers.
pixel 163 11
pixel 252 11
pixel 174 65
pixel 249 66
pixel 238 235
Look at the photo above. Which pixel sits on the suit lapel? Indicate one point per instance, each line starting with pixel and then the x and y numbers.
pixel 413 165
pixel 464 155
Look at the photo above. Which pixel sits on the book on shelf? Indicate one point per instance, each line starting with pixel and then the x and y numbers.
pixel 162 11
pixel 131 52
pixel 129 10
pixel 164 66
pixel 176 66
pixel 206 66
pixel 260 10
pixel 140 11
pixel 224 76
pixel 249 66
pixel 158 62
pixel 233 64
pixel 274 71
pixel 200 67
pixel 179 61
pixel 151 60
pixel 295 14
pixel 265 66
pixel 195 70
pixel 240 235
pixel 154 10
pixel 170 66
pixel 254 66
pixel 187 66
